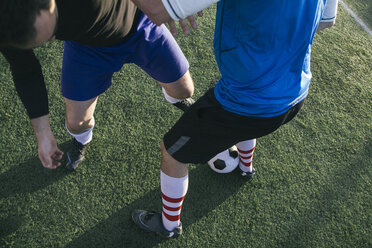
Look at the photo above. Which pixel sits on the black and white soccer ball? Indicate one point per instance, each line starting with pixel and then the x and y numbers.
pixel 226 161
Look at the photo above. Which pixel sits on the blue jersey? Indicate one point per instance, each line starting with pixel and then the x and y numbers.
pixel 262 48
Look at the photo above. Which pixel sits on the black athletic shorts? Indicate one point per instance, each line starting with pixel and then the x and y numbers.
pixel 207 129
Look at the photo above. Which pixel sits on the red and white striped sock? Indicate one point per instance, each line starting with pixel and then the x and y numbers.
pixel 173 191
pixel 246 150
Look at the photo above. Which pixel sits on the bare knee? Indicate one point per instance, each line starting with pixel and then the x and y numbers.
pixel 189 92
pixel 180 89
pixel 79 114
pixel 77 126
pixel 182 93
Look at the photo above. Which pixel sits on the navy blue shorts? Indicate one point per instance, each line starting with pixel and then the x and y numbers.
pixel 87 71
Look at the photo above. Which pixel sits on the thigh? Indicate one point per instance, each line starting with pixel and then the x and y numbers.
pixel 199 134
pixel 158 53
pixel 86 71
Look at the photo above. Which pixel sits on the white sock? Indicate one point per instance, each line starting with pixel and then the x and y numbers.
pixel 84 137
pixel 169 98
pixel 246 150
pixel 173 191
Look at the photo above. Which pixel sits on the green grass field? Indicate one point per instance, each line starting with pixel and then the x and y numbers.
pixel 363 8
pixel 313 186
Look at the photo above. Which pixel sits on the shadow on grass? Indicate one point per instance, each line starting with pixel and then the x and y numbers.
pixel 9 225
pixel 30 176
pixel 203 196
pixel 323 210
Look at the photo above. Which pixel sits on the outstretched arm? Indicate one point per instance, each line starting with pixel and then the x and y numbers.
pixel 30 86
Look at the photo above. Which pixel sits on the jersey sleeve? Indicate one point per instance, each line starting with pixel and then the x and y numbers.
pixel 180 9
pixel 330 11
pixel 29 81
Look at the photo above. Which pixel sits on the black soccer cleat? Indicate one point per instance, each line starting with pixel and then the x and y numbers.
pixel 247 175
pixel 184 104
pixel 75 155
pixel 152 222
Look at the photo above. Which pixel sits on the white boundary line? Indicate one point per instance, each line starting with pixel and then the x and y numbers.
pixel 361 23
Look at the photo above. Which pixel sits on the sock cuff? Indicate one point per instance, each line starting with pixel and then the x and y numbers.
pixel 84 137
pixel 169 98
pixel 246 146
pixel 173 187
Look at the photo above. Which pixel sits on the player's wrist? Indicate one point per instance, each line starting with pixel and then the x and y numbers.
pixel 41 127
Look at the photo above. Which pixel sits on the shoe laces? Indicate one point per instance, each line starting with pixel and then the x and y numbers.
pixel 188 101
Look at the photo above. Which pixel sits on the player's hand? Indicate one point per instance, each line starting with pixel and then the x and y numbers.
pixel 49 153
pixel 183 24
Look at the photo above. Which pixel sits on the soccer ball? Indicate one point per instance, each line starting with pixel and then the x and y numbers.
pixel 226 161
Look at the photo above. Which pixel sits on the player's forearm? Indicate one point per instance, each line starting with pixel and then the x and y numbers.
pixel 34 97
pixel 41 127
pixel 154 9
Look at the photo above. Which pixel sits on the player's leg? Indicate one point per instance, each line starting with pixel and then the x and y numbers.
pixel 179 89
pixel 174 182
pixel 246 147
pixel 82 83
pixel 203 131
pixel 158 54
pixel 183 144
pixel 79 124
pixel 179 92
pixel 246 150
pixel 79 116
